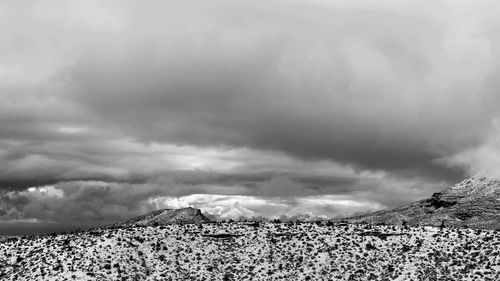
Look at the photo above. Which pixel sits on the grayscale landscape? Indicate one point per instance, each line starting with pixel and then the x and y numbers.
pixel 249 140
pixel 183 244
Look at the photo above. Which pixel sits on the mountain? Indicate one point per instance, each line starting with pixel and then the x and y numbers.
pixel 166 216
pixel 474 202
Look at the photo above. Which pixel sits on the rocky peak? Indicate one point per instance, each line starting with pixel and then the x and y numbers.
pixel 471 189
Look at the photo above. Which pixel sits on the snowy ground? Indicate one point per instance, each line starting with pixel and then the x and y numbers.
pixel 239 251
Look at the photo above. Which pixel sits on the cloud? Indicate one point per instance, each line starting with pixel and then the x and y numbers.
pixel 88 203
pixel 238 212
pixel 374 89
pixel 374 86
pixel 222 207
pixel 482 160
pixel 281 186
pixel 118 102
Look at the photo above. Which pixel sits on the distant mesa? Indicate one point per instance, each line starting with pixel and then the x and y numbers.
pixel 474 203
pixel 166 216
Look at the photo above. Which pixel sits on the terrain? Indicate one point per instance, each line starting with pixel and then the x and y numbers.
pixel 474 203
pixel 431 239
pixel 252 251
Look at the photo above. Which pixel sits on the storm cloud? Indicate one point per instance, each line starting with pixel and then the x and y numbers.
pixel 367 89
pixel 277 101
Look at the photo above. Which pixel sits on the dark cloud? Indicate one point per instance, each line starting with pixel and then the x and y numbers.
pixel 80 202
pixel 119 104
pixel 357 87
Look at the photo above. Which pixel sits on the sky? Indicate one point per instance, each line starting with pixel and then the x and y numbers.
pixel 309 109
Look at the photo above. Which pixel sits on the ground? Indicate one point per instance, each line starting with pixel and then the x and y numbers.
pixel 247 251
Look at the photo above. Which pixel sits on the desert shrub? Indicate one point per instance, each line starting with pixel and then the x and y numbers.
pixel 369 247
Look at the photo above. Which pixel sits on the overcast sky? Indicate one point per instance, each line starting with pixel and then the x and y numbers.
pixel 307 108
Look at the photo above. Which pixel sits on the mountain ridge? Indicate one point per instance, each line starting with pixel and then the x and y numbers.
pixel 474 202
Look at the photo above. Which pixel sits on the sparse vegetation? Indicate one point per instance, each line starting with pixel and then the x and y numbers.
pixel 243 251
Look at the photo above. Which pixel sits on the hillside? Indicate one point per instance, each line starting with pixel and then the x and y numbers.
pixel 166 216
pixel 266 251
pixel 474 202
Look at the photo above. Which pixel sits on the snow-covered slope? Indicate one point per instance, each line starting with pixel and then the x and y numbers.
pixel 474 202
pixel 266 251
pixel 166 216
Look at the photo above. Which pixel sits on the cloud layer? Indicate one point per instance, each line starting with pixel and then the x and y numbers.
pixel 381 102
